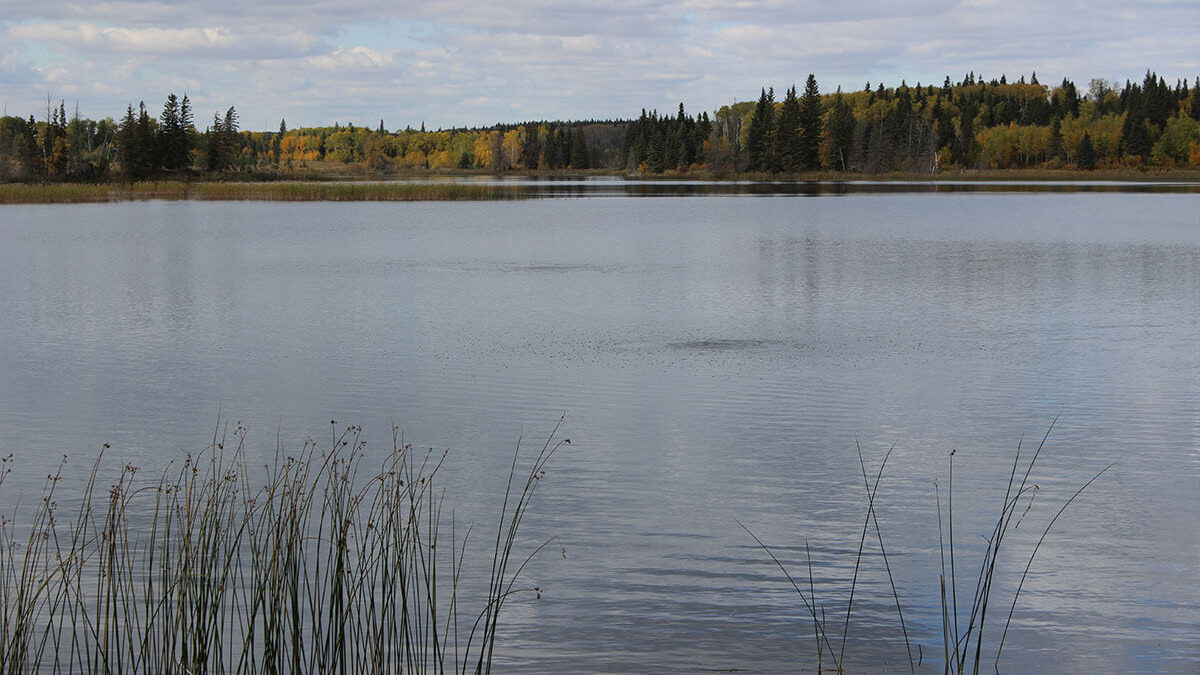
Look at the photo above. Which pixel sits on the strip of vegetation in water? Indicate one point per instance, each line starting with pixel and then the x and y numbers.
pixel 82 193
pixel 323 566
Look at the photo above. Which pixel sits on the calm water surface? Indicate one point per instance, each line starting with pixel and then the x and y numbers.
pixel 717 358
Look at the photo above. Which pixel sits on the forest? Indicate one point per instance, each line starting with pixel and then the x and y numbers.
pixel 972 124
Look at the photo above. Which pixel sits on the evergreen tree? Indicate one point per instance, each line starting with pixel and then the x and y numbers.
pixel 222 142
pixel 841 132
pixel 174 137
pixel 1085 156
pixel 126 141
pixel 136 143
pixel 230 144
pixel 1135 137
pixel 943 117
pixel 704 131
pixel 963 149
pixel 1055 149
pixel 277 141
pixel 216 159
pixel 810 126
pixel 760 136
pixel 1158 101
pixel 789 148
pixel 147 144
pixel 579 151
pixel 31 160
pixel 531 149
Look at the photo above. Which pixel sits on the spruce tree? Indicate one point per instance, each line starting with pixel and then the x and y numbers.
pixel 277 141
pixel 127 141
pixel 142 145
pixel 1055 149
pixel 760 136
pixel 1135 137
pixel 788 143
pixel 810 126
pixel 213 141
pixel 174 140
pixel 1085 156
pixel 231 145
pixel 841 133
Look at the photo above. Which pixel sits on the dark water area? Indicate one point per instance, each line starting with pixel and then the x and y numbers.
pixel 718 357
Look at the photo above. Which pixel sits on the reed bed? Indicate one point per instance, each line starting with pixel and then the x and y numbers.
pixel 284 191
pixel 325 566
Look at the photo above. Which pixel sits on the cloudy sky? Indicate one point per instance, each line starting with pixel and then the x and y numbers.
pixel 456 63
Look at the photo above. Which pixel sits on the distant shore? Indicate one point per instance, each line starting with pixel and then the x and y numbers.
pixel 457 185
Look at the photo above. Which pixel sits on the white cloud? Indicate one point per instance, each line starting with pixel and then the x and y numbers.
pixel 200 41
pixel 355 58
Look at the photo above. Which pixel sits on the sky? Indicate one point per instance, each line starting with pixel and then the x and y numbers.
pixel 454 63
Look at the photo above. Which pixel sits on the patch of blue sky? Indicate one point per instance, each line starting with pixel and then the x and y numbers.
pixel 393 34
pixel 35 53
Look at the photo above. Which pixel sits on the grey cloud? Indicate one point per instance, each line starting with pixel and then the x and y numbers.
pixel 484 63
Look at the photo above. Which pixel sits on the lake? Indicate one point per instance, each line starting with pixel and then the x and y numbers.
pixel 718 359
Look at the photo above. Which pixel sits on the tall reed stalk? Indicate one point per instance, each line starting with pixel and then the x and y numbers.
pixel 963 638
pixel 815 611
pixel 963 645
pixel 323 567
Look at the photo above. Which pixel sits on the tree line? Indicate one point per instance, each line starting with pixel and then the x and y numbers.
pixel 971 124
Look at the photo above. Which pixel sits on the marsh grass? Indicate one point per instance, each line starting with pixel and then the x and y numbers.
pixel 323 566
pixel 964 642
pixel 281 191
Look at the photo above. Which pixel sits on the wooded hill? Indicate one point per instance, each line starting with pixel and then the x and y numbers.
pixel 971 124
